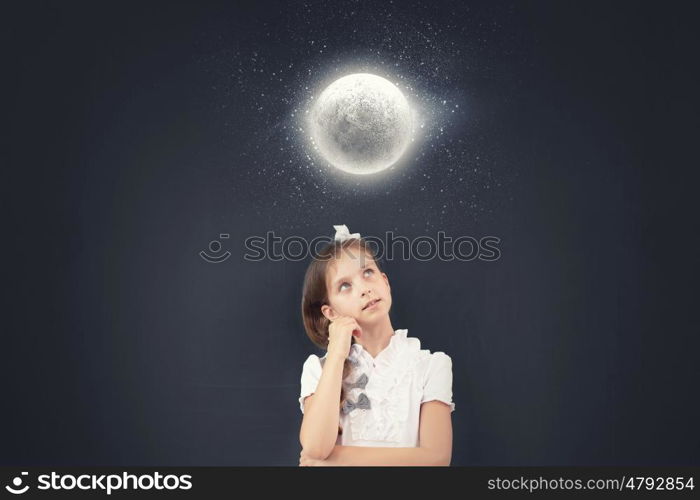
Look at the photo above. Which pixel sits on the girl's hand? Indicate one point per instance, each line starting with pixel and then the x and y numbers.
pixel 306 461
pixel 340 333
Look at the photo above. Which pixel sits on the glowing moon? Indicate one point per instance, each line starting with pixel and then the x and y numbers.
pixel 361 123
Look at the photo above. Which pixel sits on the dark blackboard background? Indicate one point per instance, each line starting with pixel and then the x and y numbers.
pixel 121 346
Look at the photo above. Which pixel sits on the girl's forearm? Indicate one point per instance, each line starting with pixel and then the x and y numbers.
pixel 319 427
pixel 364 455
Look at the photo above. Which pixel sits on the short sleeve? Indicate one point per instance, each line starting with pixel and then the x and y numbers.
pixel 310 375
pixel 438 380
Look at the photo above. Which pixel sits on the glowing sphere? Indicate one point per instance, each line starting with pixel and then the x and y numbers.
pixel 361 123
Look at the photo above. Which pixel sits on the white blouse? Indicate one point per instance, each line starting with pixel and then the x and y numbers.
pixel 385 410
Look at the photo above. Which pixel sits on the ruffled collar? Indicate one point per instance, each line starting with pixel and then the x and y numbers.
pixel 399 345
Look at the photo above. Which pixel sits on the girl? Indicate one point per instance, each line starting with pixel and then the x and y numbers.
pixel 375 397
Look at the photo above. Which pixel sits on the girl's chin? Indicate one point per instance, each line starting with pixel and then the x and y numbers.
pixel 373 317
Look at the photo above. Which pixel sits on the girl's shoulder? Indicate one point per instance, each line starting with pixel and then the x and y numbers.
pixel 422 360
pixel 314 360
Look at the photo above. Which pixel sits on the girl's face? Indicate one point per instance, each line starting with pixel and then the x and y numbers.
pixel 354 283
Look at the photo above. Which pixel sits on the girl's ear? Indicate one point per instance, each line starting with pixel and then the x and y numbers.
pixel 386 278
pixel 328 312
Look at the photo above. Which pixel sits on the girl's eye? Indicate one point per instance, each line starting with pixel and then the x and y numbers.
pixel 340 288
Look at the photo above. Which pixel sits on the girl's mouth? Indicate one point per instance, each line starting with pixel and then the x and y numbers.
pixel 371 304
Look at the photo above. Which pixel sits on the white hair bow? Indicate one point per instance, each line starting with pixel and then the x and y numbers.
pixel 342 233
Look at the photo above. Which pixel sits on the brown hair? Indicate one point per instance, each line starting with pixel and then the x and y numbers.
pixel 315 294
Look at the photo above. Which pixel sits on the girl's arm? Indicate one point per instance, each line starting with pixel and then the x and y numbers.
pixel 435 444
pixel 319 427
